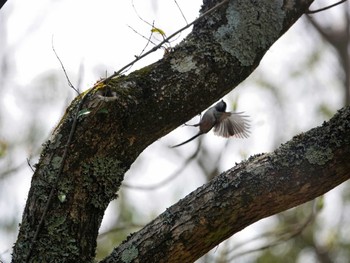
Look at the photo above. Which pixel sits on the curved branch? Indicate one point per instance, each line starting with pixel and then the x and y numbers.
pixel 306 167
pixel 119 118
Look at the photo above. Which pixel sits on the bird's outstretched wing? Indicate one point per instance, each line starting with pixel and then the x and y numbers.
pixel 233 124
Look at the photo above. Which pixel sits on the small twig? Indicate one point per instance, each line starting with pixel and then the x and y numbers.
pixel 166 180
pixel 147 43
pixel 282 238
pixel 30 165
pixel 324 8
pixel 148 39
pixel 64 157
pixel 63 68
pixel 155 48
pixel 143 20
pixel 181 11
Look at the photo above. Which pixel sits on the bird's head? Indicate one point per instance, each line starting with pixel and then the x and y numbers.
pixel 221 106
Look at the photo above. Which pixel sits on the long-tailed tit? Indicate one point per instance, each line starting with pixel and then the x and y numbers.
pixel 225 124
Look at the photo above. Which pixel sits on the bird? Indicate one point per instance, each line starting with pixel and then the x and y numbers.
pixel 225 124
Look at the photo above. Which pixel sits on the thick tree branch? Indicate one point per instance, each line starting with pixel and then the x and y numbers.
pixel 121 117
pixel 306 167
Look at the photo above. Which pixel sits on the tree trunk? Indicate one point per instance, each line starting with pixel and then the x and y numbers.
pixel 105 129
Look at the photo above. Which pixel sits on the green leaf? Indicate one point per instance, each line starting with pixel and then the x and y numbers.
pixel 62 197
pixel 158 30
pixel 84 112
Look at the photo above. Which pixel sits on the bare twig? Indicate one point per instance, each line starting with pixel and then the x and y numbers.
pixel 181 11
pixel 143 20
pixel 148 39
pixel 324 8
pixel 147 43
pixel 167 180
pixel 63 68
pixel 161 43
pixel 283 237
pixel 64 157
pixel 30 165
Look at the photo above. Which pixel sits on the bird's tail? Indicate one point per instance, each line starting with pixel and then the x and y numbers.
pixel 194 137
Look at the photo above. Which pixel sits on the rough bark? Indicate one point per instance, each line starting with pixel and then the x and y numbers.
pixel 306 167
pixel 126 114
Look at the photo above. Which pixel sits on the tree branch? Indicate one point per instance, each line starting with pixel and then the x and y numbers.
pixel 125 114
pixel 306 167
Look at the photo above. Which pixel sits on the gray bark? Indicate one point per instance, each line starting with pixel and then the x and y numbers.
pixel 127 113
